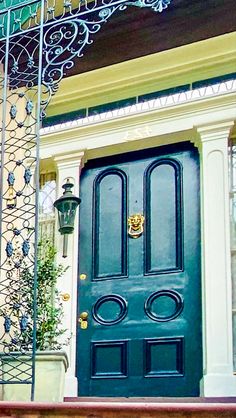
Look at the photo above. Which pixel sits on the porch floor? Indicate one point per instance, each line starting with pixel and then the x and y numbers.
pixel 123 408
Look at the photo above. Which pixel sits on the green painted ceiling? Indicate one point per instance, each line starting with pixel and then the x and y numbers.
pixel 18 15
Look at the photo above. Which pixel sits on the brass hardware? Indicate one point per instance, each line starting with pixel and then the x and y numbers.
pixel 65 297
pixel 83 320
pixel 83 276
pixel 135 223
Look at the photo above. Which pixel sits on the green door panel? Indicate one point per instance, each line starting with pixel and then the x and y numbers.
pixel 143 295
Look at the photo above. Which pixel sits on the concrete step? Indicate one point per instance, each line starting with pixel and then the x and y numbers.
pixel 122 408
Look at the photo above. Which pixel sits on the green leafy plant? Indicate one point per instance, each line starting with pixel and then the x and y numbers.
pixel 17 313
pixel 49 306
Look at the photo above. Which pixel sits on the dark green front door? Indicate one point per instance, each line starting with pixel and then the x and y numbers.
pixel 142 295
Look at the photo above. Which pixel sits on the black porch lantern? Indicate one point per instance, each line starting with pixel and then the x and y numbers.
pixel 66 206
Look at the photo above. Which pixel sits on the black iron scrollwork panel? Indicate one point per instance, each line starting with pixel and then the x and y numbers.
pixel 19 134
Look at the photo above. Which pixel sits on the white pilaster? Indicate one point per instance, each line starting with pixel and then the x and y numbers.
pixel 218 379
pixel 69 166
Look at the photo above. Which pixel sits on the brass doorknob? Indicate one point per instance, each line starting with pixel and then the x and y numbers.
pixel 83 320
pixel 83 316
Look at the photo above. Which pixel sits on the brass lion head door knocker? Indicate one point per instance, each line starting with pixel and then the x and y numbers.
pixel 135 223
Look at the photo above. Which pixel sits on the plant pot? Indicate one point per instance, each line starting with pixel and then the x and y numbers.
pixel 50 369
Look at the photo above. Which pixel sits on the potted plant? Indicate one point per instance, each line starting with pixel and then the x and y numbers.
pixel 51 361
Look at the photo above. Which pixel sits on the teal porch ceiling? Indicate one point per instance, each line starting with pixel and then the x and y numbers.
pixel 19 12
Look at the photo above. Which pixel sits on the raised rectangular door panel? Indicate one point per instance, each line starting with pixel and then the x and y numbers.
pixel 164 357
pixel 101 355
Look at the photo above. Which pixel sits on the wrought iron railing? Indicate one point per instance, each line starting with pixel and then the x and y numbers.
pixel 20 86
pixel 39 43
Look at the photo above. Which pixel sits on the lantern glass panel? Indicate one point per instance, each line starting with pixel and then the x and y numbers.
pixel 66 214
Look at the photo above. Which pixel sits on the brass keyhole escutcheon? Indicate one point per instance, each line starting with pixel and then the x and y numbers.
pixel 83 320
pixel 135 224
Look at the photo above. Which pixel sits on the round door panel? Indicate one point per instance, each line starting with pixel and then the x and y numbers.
pixel 110 309
pixel 164 305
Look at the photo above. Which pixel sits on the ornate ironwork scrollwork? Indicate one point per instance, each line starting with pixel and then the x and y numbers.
pixel 65 41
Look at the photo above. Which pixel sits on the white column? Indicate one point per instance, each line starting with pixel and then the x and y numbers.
pixel 218 378
pixel 69 166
